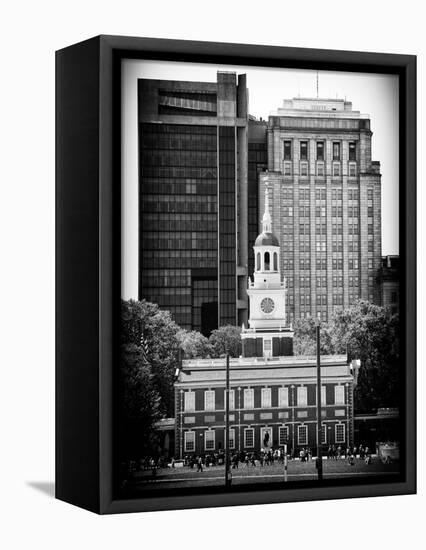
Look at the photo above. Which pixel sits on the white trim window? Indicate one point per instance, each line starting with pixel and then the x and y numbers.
pixel 352 169
pixel 339 395
pixel 320 169
pixel 282 435
pixel 189 404
pixel 209 440
pixel 283 397
pixel 287 168
pixel 231 400
pixel 249 438
pixel 339 433
pixel 303 169
pixel 249 398
pixel 323 396
pixel 231 437
pixel 336 169
pixel 267 347
pixel 209 400
pixel 189 441
pixel 266 398
pixel 302 434
pixel 323 434
pixel 302 396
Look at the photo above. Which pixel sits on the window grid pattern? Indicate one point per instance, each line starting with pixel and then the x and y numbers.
pixel 249 438
pixel 302 435
pixel 189 441
pixel 178 219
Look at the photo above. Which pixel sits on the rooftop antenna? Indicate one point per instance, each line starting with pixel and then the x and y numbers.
pixel 317 85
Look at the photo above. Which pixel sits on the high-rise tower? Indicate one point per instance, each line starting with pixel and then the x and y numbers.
pixel 193 199
pixel 325 192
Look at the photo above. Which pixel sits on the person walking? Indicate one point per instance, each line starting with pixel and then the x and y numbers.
pixel 199 464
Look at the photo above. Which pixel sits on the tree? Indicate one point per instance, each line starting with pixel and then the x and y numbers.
pixel 139 403
pixel 369 333
pixel 226 338
pixel 305 343
pixel 193 344
pixel 146 321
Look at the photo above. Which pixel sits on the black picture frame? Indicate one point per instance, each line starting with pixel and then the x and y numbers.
pixel 88 260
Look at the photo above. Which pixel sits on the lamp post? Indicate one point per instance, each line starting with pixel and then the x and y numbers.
pixel 319 433
pixel 227 470
pixel 181 426
pixel 292 420
pixel 239 419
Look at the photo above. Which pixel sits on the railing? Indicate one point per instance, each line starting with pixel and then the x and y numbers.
pixel 270 361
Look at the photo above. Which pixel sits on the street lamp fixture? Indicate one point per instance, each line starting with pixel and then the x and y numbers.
pixel 227 461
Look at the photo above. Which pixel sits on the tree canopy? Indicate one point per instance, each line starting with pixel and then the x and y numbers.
pixel 145 320
pixel 226 338
pixel 139 402
pixel 304 342
pixel 370 333
pixel 367 332
pixel 193 344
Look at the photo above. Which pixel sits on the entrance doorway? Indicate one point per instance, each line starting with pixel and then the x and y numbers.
pixel 266 439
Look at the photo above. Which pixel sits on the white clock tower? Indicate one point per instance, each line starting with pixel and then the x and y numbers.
pixel 268 334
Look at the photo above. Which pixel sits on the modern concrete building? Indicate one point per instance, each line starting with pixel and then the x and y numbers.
pixel 325 197
pixel 389 282
pixel 272 394
pixel 193 199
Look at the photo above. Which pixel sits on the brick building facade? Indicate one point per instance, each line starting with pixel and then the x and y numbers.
pixel 276 396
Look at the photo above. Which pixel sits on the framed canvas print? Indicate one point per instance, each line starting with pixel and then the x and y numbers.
pixel 235 274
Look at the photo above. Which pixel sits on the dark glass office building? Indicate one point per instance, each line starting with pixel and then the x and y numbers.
pixel 257 163
pixel 193 199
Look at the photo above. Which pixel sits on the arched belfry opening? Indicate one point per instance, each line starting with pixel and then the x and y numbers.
pixel 267 261
pixel 275 261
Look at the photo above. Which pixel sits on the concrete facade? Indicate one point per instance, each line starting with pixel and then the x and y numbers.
pixel 389 283
pixel 325 200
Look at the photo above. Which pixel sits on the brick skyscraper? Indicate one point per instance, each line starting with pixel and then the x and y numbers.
pixel 325 200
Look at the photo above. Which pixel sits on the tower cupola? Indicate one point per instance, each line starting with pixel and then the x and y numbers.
pixel 267 250
pixel 268 334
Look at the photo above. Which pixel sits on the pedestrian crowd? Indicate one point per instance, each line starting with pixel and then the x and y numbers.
pixel 262 458
pixel 349 453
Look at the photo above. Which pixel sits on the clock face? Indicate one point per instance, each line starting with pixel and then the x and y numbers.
pixel 267 305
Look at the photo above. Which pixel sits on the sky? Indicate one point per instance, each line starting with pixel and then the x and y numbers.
pixel 373 94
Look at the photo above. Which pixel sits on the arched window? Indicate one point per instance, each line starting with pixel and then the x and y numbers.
pixel 275 261
pixel 267 261
pixel 258 262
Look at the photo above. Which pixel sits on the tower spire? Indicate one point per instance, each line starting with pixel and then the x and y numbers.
pixel 266 220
